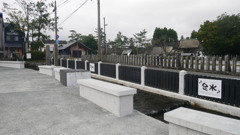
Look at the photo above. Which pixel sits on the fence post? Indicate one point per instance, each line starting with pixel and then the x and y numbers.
pixel 169 61
pixel 86 61
pixel 61 62
pixel 220 64
pixel 182 62
pixel 187 62
pixel 173 61
pixel 196 63
pixel 182 73
pixel 177 61
pixel 117 70
pixel 208 63
pixel 202 63
pixel 67 62
pixel 143 75
pixel 191 62
pixel 214 63
pixel 227 64
pixel 234 65
pixel 75 63
pixel 99 68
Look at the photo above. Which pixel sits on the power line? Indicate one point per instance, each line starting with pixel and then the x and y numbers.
pixel 63 3
pixel 73 12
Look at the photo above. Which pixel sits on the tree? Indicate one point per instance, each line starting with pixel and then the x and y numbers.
pixel 141 40
pixel 41 22
pixel 74 36
pixel 221 36
pixel 194 34
pixel 164 37
pixel 90 42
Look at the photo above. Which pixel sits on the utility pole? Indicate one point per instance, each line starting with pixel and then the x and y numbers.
pixel 105 45
pixel 99 33
pixel 27 44
pixel 56 38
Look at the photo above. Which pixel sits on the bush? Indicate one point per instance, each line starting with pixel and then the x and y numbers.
pixel 37 55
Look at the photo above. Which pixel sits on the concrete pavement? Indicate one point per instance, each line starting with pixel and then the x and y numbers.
pixel 36 104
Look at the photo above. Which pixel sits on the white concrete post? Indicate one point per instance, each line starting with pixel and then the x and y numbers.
pixel 67 62
pixel 99 68
pixel 143 75
pixel 117 70
pixel 182 73
pixel 75 63
pixel 86 64
pixel 61 62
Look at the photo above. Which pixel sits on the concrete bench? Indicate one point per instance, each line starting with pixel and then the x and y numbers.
pixel 57 72
pixel 69 77
pixel 183 121
pixel 47 70
pixel 112 97
pixel 13 64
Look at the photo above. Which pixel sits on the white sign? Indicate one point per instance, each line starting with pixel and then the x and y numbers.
pixel 92 67
pixel 210 88
pixel 29 55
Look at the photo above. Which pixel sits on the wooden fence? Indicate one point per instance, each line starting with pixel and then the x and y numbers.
pixel 209 63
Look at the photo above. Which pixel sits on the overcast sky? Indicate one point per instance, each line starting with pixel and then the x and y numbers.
pixel 132 16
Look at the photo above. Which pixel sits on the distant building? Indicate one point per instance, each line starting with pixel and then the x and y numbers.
pixel 2 46
pixel 189 45
pixel 74 49
pixel 13 37
pixel 51 44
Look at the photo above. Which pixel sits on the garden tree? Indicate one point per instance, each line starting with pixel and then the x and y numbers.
pixel 221 36
pixel 74 36
pixel 141 41
pixel 164 37
pixel 41 23
pixel 90 42
pixel 194 34
pixel 121 41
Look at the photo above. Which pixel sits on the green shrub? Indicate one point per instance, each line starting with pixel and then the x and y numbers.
pixel 37 55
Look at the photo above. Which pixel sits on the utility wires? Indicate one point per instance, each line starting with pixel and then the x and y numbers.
pixel 73 12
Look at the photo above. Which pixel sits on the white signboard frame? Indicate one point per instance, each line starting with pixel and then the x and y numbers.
pixel 29 56
pixel 92 67
pixel 210 88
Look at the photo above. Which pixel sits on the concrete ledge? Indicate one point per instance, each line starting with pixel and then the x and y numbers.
pixel 69 77
pixel 227 109
pixel 47 70
pixel 183 121
pixel 112 97
pixel 57 72
pixel 13 64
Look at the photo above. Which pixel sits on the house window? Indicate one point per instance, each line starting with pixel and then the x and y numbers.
pixel 11 36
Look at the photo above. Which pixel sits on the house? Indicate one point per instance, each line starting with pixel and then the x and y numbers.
pixel 2 47
pixel 51 43
pixel 74 49
pixel 189 45
pixel 13 37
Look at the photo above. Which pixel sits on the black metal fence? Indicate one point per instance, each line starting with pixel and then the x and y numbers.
pixel 71 64
pixel 64 63
pixel 230 89
pixel 80 65
pixel 131 74
pixel 162 79
pixel 108 70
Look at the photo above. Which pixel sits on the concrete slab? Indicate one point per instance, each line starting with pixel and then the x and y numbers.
pixel 33 103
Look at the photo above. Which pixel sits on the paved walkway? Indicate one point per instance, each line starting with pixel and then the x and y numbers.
pixel 36 104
